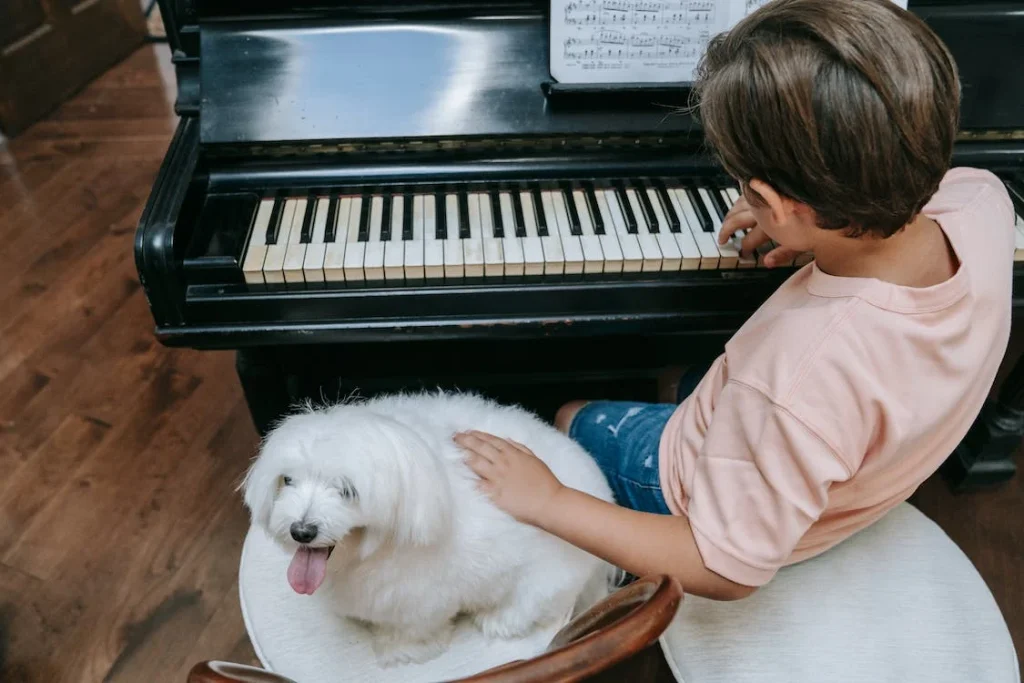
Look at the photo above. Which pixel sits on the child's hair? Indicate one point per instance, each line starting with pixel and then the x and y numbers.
pixel 848 106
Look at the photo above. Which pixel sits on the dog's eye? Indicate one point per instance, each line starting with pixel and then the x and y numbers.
pixel 347 491
pixel 287 481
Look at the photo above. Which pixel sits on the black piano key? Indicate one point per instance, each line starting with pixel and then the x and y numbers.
pixel 440 217
pixel 574 215
pixel 671 216
pixel 595 211
pixel 406 217
pixel 385 220
pixel 538 208
pixel 703 217
pixel 647 207
pixel 496 218
pixel 627 210
pixel 517 211
pixel 274 226
pixel 330 230
pixel 306 236
pixel 464 216
pixel 364 218
pixel 717 204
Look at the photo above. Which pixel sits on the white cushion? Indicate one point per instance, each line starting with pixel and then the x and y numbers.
pixel 897 602
pixel 299 636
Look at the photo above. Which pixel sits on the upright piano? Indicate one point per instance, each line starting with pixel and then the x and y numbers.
pixel 377 196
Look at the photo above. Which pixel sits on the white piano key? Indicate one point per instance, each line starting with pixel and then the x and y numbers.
pixel 706 245
pixel 533 247
pixel 671 254
pixel 413 256
pixel 593 253
pixel 433 248
pixel 373 259
pixel 744 261
pixel 295 253
pixel 615 224
pixel 728 254
pixel 511 244
pixel 334 255
pixel 316 250
pixel 733 194
pixel 494 257
pixel 648 242
pixel 453 267
pixel 256 250
pixel 614 261
pixel 1018 240
pixel 727 198
pixel 273 267
pixel 554 256
pixel 473 246
pixel 355 251
pixel 394 248
pixel 571 249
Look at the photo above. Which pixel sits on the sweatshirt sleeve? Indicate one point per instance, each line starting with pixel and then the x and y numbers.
pixel 762 480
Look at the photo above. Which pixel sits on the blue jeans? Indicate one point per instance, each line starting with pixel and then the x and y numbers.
pixel 623 437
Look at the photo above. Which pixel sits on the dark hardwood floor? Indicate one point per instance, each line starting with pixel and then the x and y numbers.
pixel 120 526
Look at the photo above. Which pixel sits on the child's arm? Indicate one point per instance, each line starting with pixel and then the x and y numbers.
pixel 640 543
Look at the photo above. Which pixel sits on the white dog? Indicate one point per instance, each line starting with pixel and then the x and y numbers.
pixel 380 488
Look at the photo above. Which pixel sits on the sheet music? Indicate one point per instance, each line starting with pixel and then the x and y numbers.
pixel 637 41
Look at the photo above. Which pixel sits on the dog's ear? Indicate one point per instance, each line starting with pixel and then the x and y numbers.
pixel 259 489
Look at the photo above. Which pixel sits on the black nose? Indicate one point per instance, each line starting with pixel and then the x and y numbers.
pixel 303 532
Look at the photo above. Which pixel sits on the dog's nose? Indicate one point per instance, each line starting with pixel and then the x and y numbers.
pixel 303 532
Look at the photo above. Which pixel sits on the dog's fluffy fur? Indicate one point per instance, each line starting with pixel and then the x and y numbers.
pixel 411 541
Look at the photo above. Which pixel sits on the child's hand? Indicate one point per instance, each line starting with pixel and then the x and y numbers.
pixel 515 479
pixel 740 217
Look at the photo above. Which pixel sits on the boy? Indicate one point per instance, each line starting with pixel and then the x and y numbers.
pixel 859 376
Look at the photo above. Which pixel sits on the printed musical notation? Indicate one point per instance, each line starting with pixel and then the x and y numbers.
pixel 601 41
pixel 631 40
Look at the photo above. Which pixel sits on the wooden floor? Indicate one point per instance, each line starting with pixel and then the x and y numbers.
pixel 120 527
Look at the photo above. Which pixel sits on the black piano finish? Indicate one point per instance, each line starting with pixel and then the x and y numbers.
pixel 372 80
pixel 325 95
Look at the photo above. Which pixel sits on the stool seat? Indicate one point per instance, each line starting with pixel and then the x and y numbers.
pixel 897 602
pixel 300 637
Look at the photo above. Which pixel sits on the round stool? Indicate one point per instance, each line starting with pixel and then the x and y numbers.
pixel 897 602
pixel 300 637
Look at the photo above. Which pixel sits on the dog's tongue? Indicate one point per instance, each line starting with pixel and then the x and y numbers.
pixel 307 570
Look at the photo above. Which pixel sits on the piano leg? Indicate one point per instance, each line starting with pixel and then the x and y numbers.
pixel 265 387
pixel 985 457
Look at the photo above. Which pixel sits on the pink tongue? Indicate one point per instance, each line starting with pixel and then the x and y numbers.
pixel 307 570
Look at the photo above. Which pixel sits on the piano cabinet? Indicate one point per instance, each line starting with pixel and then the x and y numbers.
pixel 570 252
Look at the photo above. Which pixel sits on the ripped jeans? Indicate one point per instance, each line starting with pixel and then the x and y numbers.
pixel 623 437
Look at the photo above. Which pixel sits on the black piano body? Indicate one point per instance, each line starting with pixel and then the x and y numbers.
pixel 319 100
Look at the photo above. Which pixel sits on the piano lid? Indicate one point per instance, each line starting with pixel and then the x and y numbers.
pixel 311 71
pixel 294 80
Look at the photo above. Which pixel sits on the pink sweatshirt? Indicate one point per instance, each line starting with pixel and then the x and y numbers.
pixel 839 396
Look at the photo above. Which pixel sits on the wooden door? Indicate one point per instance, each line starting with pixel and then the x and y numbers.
pixel 49 49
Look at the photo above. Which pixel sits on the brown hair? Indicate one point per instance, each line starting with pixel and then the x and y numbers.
pixel 848 106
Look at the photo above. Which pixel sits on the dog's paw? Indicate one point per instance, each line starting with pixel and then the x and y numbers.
pixel 506 623
pixel 394 648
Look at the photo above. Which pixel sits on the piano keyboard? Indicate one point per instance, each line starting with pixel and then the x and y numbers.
pixel 630 227
pixel 634 227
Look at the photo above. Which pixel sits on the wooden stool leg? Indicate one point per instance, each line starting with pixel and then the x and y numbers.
pixel 985 457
